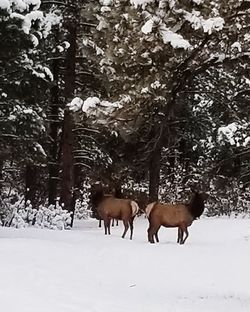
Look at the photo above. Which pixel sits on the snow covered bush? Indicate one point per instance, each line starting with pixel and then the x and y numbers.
pixel 82 205
pixel 52 217
pixel 82 209
pixel 20 214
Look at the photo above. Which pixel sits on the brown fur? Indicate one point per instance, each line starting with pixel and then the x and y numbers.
pixel 97 189
pixel 119 209
pixel 174 215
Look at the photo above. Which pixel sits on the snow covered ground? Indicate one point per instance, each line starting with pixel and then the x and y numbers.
pixel 83 270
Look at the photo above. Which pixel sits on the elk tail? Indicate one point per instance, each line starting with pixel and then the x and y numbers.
pixel 149 209
pixel 135 208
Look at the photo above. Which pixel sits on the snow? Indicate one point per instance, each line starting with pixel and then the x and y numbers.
pixel 176 40
pixel 84 270
pixel 236 45
pixel 90 103
pixel 198 1
pixel 142 3
pixel 213 24
pixel 208 25
pixel 5 4
pixel 19 9
pixel 76 104
pixel 49 20
pixel 30 18
pixel 94 108
pixel 148 26
pixel 20 5
pixel 38 147
pixel 230 133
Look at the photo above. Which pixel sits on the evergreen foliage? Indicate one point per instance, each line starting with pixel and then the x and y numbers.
pixel 163 92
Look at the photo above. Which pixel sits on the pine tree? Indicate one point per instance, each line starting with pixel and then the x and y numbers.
pixel 153 50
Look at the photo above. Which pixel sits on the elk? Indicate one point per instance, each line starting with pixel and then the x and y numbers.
pixel 110 207
pixel 174 215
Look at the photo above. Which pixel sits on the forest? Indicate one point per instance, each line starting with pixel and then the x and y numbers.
pixel 150 97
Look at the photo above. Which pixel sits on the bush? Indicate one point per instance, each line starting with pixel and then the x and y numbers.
pixel 20 215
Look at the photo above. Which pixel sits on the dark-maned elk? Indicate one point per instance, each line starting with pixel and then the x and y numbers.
pixel 115 192
pixel 109 207
pixel 174 215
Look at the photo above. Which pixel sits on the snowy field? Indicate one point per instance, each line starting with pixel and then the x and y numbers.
pixel 83 270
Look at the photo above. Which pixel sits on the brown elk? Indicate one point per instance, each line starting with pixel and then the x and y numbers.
pixel 174 215
pixel 115 192
pixel 110 207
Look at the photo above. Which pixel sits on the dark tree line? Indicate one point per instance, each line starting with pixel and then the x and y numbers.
pixel 174 99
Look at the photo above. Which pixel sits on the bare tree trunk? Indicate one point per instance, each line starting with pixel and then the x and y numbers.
pixel 54 126
pixel 31 174
pixel 154 173
pixel 67 179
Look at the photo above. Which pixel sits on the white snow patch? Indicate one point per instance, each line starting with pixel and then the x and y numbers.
pixel 5 4
pixel 75 105
pixel 208 25
pixel 85 270
pixel 106 2
pixel 236 45
pixel 198 1
pixel 35 40
pixel 48 73
pixel 90 103
pixel 142 3
pixel 176 40
pixel 48 21
pixel 38 147
pixel 213 24
pixel 147 27
pixel 234 134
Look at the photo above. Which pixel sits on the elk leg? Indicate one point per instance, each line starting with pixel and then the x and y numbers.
pixel 180 235
pixel 151 234
pixel 113 220
pixel 109 225
pixel 150 239
pixel 100 223
pixel 157 237
pixel 105 226
pixel 116 222
pixel 126 226
pixel 186 233
pixel 131 224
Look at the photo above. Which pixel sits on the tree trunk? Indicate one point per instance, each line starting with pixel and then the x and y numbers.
pixel 154 173
pixel 31 184
pixel 54 125
pixel 67 179
pixel 67 182
pixel 76 189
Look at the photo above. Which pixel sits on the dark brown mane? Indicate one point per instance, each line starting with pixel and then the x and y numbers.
pixel 97 197
pixel 196 205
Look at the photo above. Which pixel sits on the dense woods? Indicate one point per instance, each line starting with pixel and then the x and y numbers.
pixel 148 96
